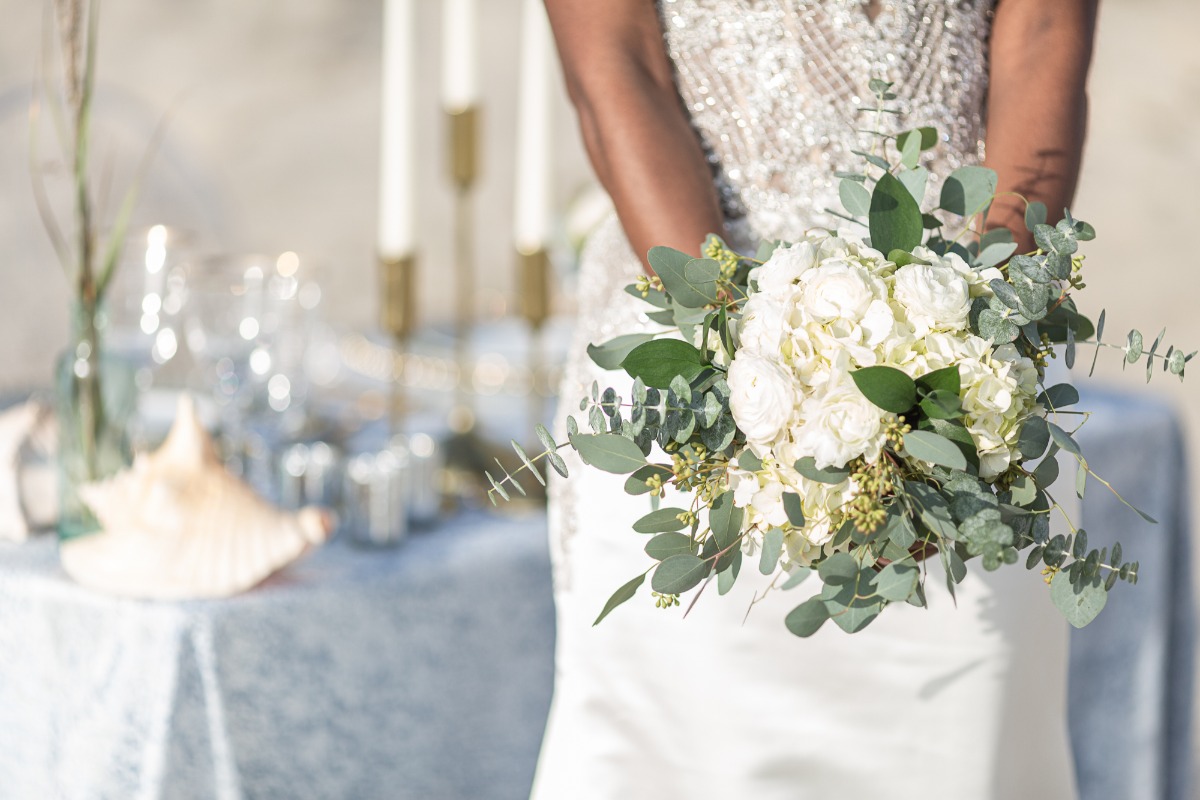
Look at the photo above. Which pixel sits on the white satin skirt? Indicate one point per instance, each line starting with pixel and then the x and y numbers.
pixel 960 701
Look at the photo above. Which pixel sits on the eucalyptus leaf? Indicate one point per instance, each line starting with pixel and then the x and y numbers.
pixel 1060 395
pixel 626 592
pixel 1035 214
pixel 691 282
pixel 679 573
pixel 933 448
pixel 915 180
pixel 995 254
pixel 932 509
pixel 668 544
pixel 896 581
pixel 994 326
pixel 855 198
pixel 798 576
pixel 610 452
pixel 660 520
pixel 806 619
pixel 635 484
pixel 728 576
pixel 807 467
pixel 1063 439
pixel 725 519
pixel 1078 603
pixel 968 190
pixel 793 508
pixel 1034 438
pixel 610 354
pixel 772 549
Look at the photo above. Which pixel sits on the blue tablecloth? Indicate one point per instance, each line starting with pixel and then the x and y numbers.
pixel 425 672
pixel 1132 669
pixel 418 673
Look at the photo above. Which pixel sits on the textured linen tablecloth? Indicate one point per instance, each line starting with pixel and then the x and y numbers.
pixel 1132 669
pixel 425 672
pixel 421 672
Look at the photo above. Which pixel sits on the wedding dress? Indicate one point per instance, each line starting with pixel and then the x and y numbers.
pixel 963 701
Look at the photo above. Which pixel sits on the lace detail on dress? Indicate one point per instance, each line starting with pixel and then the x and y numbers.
pixel 772 87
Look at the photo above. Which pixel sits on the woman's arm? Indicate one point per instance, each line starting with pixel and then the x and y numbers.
pixel 637 133
pixel 1037 104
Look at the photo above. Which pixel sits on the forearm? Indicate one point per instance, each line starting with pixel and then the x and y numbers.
pixel 1037 104
pixel 649 159
pixel 638 136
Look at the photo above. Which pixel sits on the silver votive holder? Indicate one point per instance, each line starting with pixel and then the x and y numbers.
pixel 375 498
pixel 309 473
pixel 426 462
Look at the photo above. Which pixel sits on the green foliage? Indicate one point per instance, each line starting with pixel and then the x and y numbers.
pixel 659 362
pixel 807 467
pixel 610 452
pixel 895 218
pixel 968 191
pixel 928 446
pixel 691 282
pixel 626 592
pixel 886 387
pixel 610 354
pixel 679 573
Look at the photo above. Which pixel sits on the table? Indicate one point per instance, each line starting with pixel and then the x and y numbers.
pixel 1130 719
pixel 422 672
pixel 425 672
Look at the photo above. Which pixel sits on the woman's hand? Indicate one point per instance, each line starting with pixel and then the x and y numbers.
pixel 637 133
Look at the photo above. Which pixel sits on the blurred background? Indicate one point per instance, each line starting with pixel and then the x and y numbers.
pixel 272 145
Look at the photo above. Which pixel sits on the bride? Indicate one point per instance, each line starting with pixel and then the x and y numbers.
pixel 732 116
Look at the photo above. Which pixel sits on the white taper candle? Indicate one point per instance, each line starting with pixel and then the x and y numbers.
pixel 460 59
pixel 531 224
pixel 397 178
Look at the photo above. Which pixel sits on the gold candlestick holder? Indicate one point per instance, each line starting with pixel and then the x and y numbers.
pixel 398 275
pixel 466 453
pixel 534 303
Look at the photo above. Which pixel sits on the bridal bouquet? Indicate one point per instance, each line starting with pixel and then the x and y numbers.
pixel 853 407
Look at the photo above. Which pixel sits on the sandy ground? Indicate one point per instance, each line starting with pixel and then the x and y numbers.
pixel 273 143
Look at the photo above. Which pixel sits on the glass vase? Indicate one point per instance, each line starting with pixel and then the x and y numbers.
pixel 96 401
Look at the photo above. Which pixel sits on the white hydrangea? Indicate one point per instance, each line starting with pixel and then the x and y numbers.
pixel 824 307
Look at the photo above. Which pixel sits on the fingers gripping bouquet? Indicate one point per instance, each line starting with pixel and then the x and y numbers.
pixel 850 406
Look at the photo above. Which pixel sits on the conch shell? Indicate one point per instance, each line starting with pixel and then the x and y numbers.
pixel 177 525
pixel 28 479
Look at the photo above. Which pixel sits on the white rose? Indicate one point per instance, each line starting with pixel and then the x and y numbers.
pixel 762 396
pixel 784 267
pixel 840 425
pixel 840 290
pixel 763 324
pixel 935 297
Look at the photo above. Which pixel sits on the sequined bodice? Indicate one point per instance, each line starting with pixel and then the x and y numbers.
pixel 776 89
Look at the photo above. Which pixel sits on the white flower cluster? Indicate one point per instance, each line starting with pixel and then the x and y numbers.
pixel 828 305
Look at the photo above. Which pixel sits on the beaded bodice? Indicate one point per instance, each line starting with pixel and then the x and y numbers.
pixel 776 89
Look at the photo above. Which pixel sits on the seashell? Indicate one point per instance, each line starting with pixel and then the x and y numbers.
pixel 177 525
pixel 28 478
